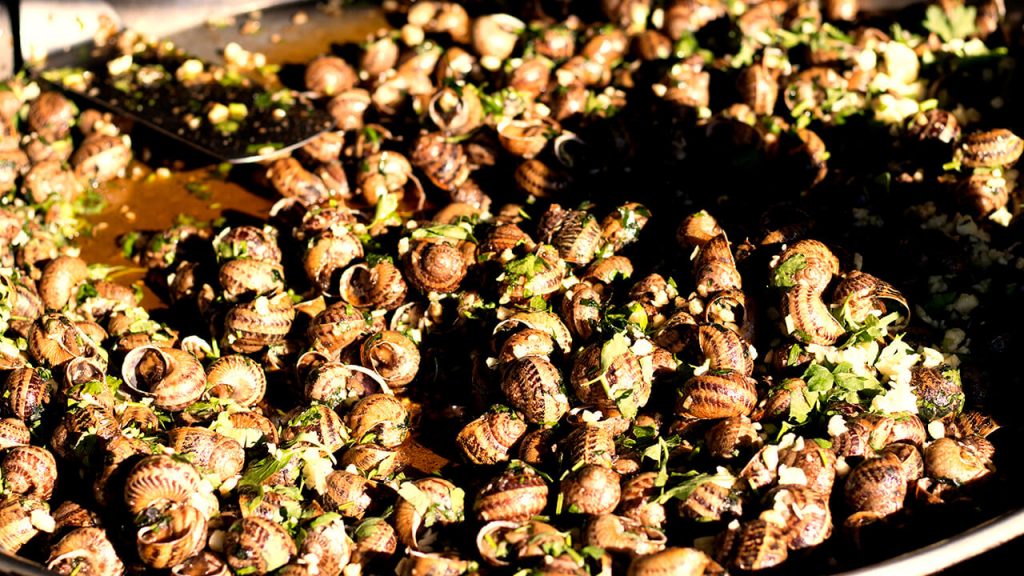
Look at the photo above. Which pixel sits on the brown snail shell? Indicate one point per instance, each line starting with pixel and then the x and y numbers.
pixel 939 392
pixel 991 149
pixel 291 180
pixel 237 377
pixel 158 481
pixel 252 326
pixel 724 349
pixel 179 534
pixel 590 444
pixel 808 317
pixel 379 286
pixel 209 452
pixel 85 550
pixel 247 242
pixel 381 415
pixel 172 377
pixel 876 485
pixel 205 563
pixel 258 543
pixel 348 107
pixel 516 495
pixel 955 461
pixel 435 267
pixel 802 512
pixel 323 424
pixel 347 493
pixel 861 294
pixel 488 439
pixel 755 545
pixel 336 384
pixel 672 562
pixel 728 437
pixel 336 327
pixel 28 472
pixel 25 394
pixel 623 535
pixel 392 355
pixel 373 461
pixel 60 280
pixel 20 520
pixel 54 339
pixel 245 277
pixel 711 396
pixel 715 267
pixel 526 342
pixel 819 264
pixel 545 277
pixel 639 500
pixel 711 501
pixel 574 233
pixel 542 179
pixel 533 386
pixel 329 75
pixel 607 270
pixel 444 508
pixel 13 432
pixel 524 138
pixel 443 161
pixel 327 256
pixel 581 309
pixel 51 115
pixel 592 489
pixel 256 422
pixel 101 157
pixel 329 544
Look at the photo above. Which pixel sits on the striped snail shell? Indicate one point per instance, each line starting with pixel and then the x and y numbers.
pixel 25 394
pixel 488 439
pixel 379 286
pixel 393 356
pixel 623 535
pixel 673 562
pixel 20 520
pixel 85 551
pixel 515 495
pixel 258 544
pixel 172 377
pixel 204 563
pixel 159 481
pixel 237 377
pixel 327 541
pixel 28 472
pixel 210 452
pixel 179 534
pixel 347 494
pixel 381 415
pixel 592 489
pixel 755 545
pixel 252 326
pixel 14 432
pixel 60 280
pixel 444 508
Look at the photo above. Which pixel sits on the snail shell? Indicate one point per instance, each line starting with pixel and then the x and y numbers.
pixel 260 425
pixel 245 277
pixel 20 520
pixel 819 264
pixel 544 275
pixel 54 339
pixel 495 35
pixel 329 75
pixel 28 472
pixel 542 180
pixel 259 544
pixel 876 485
pixel 442 160
pixel 711 396
pixel 862 294
pixel 381 415
pixel 373 461
pixel 581 309
pixel 329 544
pixel 672 562
pixel 158 481
pixel 728 437
pixel 210 452
pixel 623 535
pixel 392 355
pixel 338 326
pixel 639 500
pixel 380 286
pixel 348 108
pixel 808 318
pixel 252 326
pixel 25 394
pixel 327 256
pixel 102 157
pixel 435 267
pixel 533 386
pixel 179 534
pixel 622 226
pixel 575 233
pixel 291 180
pixel 336 384
pixel 802 512
pixel 755 545
pixel 85 551
pixel 324 424
pixel 711 501
pixel 607 270
pixel 51 115
pixel 524 138
pixel 443 509
pixel 939 392
pixel 724 349
pixel 205 563
pixel 247 242
pixel 237 377
pixel 60 281
pixel 172 377
pixel 516 495
pixel 715 267
pixel 590 444
pixel 526 342
pixel 488 439
pixel 13 432
pixel 991 149
pixel 347 494
pixel 956 461
pixel 70 515
pixel 592 489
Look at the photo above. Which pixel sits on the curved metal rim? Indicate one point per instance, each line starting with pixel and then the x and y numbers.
pixel 953 550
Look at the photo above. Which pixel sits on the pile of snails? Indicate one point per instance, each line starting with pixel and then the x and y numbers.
pixel 611 383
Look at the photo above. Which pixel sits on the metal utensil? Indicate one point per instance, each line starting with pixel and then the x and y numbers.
pixel 260 129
